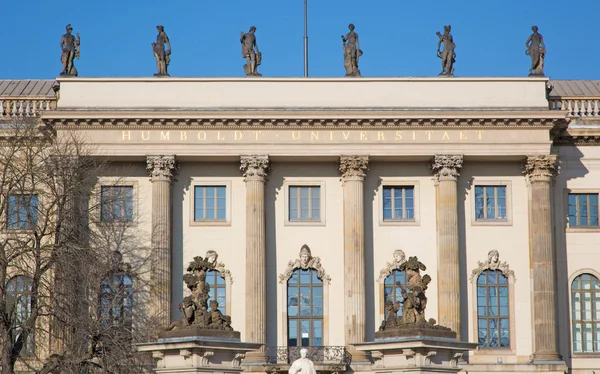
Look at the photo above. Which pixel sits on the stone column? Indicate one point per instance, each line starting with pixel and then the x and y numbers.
pixel 446 170
pixel 161 170
pixel 541 170
pixel 353 170
pixel 255 169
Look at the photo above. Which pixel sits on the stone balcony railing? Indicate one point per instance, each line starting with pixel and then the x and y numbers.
pixel 577 107
pixel 25 106
pixel 332 359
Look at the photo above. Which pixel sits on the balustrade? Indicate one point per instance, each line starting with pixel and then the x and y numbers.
pixel 580 107
pixel 319 355
pixel 25 107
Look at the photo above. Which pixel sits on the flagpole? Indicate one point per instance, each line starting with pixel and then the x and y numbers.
pixel 305 40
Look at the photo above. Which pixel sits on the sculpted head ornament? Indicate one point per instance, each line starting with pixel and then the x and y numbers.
pixel 305 255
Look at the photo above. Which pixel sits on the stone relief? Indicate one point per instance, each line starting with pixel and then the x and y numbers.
pixel 399 259
pixel 71 49
pixel 352 52
pixel 255 167
pixel 536 50
pixel 492 263
pixel 162 55
pixel 162 167
pixel 305 261
pixel 544 167
pixel 354 166
pixel 448 55
pixel 250 53
pixel 446 167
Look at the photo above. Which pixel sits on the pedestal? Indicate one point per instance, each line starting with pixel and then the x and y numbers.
pixel 417 354
pixel 198 354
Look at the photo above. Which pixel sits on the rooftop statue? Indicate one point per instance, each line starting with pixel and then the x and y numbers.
pixel 161 54
pixel 251 53
pixel 70 47
pixel 413 306
pixel 448 55
pixel 352 52
pixel 536 49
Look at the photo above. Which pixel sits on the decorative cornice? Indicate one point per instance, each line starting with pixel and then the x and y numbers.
pixel 541 168
pixel 399 259
pixel 493 263
pixel 577 140
pixel 446 167
pixel 255 167
pixel 305 261
pixel 161 167
pixel 354 167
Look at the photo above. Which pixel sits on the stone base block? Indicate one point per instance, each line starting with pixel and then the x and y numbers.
pixel 197 331
pixel 416 354
pixel 198 354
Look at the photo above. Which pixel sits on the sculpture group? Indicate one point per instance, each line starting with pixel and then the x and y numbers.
pixel 71 46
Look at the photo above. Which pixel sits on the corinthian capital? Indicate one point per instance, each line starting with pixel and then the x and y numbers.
pixel 446 167
pixel 354 167
pixel 541 168
pixel 161 167
pixel 255 167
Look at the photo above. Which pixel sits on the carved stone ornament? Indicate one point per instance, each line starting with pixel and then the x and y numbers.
pixel 161 167
pixel 399 259
pixel 354 166
pixel 255 167
pixel 205 360
pixel 492 263
pixel 541 168
pixel 446 167
pixel 304 261
pixel 237 360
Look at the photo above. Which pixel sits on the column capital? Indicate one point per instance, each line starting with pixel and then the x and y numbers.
pixel 161 168
pixel 541 168
pixel 255 167
pixel 354 167
pixel 446 167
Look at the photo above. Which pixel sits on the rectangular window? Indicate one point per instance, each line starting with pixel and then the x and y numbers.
pixel 210 203
pixel 399 203
pixel 490 203
pixel 22 211
pixel 116 203
pixel 583 210
pixel 305 203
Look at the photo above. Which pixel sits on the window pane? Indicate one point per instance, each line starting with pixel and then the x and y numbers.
pixel 305 331
pixel 292 333
pixel 317 333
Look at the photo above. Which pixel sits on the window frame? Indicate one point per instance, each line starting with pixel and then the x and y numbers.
pixel 574 276
pixel 32 351
pixel 487 286
pixel 127 319
pixel 287 184
pixel 394 287
pixel 6 215
pixel 569 228
pixel 214 274
pixel 96 200
pixel 311 318
pixel 228 202
pixel 509 202
pixel 395 182
pixel 133 202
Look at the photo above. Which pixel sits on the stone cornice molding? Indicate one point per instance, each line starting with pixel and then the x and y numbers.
pixel 305 261
pixel 161 167
pixel 399 259
pixel 542 168
pixel 255 167
pixel 446 167
pixel 354 167
pixel 492 263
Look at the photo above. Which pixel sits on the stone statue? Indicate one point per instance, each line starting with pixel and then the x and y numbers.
pixel 391 316
pixel 161 54
pixel 70 46
pixel 250 53
pixel 352 52
pixel 302 365
pixel 448 55
pixel 536 49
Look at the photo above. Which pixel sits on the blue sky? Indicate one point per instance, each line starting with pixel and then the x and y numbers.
pixel 397 36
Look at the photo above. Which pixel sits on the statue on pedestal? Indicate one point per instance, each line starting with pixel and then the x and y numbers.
pixel 352 52
pixel 70 47
pixel 536 49
pixel 251 53
pixel 161 54
pixel 448 55
pixel 302 365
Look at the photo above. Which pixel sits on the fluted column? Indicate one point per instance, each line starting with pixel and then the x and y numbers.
pixel 161 170
pixel 541 171
pixel 353 170
pixel 255 169
pixel 446 170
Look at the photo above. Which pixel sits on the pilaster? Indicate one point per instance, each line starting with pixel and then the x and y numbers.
pixel 446 169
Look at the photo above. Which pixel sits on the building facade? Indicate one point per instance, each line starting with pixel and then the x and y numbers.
pixel 314 191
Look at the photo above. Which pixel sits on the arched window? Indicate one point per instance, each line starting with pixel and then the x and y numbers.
pixel 305 308
pixel 493 315
pixel 19 303
pixel 585 314
pixel 391 291
pixel 217 289
pixel 116 300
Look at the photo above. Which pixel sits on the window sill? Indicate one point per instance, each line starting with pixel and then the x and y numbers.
pixel 210 223
pixel 304 223
pixel 491 222
pixel 494 352
pixel 392 222
pixel 132 223
pixel 583 229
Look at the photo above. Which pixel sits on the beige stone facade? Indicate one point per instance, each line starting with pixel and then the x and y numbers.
pixel 350 143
